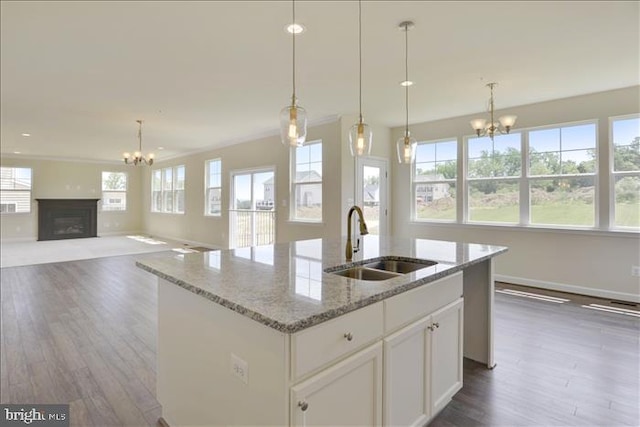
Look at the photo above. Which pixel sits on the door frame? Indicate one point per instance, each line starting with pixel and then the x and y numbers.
pixel 251 171
pixel 383 164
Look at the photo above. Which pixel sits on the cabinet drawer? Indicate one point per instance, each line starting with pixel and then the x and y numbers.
pixel 322 344
pixel 409 306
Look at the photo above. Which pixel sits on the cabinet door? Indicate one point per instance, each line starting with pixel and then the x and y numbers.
pixel 406 375
pixel 348 393
pixel 446 354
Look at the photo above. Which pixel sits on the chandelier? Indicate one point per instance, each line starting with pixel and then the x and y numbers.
pixel 504 124
pixel 138 157
pixel 293 118
pixel 406 144
pixel 360 135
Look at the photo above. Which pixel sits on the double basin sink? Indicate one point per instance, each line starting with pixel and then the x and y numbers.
pixel 382 269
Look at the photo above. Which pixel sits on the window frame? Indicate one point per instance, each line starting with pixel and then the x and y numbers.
pixel 294 184
pixel 105 193
pixel 613 175
pixel 166 192
pixel 414 183
pixel 524 181
pixel 14 190
pixel 465 185
pixel 208 188
pixel 528 178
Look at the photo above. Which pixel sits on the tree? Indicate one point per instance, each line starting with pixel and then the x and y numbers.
pixel 448 170
pixel 115 181
pixel 627 157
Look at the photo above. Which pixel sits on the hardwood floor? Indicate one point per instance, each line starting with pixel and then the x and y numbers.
pixel 83 333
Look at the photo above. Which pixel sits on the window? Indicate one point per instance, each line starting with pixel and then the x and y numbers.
pixel 625 137
pixel 493 172
pixel 213 187
pixel 114 191
pixel 15 190
pixel 167 190
pixel 562 170
pixel 306 182
pixel 434 180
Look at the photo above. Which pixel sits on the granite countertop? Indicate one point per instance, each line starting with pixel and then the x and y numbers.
pixel 284 286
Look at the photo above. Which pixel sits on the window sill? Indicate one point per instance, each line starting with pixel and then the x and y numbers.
pixel 303 222
pixel 590 231
pixel 167 213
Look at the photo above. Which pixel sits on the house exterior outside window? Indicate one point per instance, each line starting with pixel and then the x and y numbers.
pixel 306 182
pixel 15 190
pixel 114 191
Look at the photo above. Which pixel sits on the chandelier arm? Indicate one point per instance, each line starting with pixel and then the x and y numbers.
pixel 140 137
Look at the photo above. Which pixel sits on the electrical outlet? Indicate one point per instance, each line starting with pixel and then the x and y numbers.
pixel 635 271
pixel 239 368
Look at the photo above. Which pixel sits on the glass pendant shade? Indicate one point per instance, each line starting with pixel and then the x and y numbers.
pixel 508 121
pixel 406 148
pixel 360 139
pixel 293 125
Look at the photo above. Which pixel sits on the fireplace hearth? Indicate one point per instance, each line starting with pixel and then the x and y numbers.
pixel 67 218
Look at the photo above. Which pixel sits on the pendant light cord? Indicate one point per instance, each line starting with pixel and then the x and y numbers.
pixel 360 52
pixel 293 33
pixel 406 77
pixel 140 136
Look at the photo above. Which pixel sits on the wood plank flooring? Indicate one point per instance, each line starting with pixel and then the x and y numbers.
pixel 83 333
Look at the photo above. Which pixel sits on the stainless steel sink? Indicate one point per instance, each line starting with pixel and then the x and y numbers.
pixel 383 268
pixel 397 266
pixel 363 273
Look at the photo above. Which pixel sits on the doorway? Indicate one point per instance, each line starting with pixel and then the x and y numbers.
pixel 252 215
pixel 372 190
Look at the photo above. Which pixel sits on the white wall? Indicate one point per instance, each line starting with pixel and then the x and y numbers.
pixel 193 226
pixel 590 262
pixel 53 179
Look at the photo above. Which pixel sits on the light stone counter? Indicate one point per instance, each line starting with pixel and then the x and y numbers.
pixel 285 287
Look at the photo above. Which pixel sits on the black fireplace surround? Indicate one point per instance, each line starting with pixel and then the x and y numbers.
pixel 67 218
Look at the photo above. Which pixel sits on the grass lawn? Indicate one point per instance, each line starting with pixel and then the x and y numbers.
pixel 628 214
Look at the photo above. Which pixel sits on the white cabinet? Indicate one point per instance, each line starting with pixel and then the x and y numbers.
pixel 446 354
pixel 423 367
pixel 406 375
pixel 348 393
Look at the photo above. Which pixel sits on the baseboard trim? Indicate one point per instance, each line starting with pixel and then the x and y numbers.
pixel 119 233
pixel 18 239
pixel 572 289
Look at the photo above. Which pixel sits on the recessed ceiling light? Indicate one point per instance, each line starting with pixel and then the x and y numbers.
pixel 295 28
pixel 26 134
pixel 16 152
pixel 160 148
pixel 406 83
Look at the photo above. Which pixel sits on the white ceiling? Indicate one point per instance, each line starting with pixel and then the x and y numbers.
pixel 76 75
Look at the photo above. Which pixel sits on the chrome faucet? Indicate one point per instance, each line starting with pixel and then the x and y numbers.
pixel 363 230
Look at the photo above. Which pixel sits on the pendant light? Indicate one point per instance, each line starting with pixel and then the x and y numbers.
pixel 406 145
pixel 360 135
pixel 293 118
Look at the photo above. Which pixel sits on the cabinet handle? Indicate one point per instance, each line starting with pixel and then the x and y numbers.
pixel 303 405
pixel 437 325
pixel 348 336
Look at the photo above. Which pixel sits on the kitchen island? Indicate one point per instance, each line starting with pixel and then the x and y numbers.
pixel 270 335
